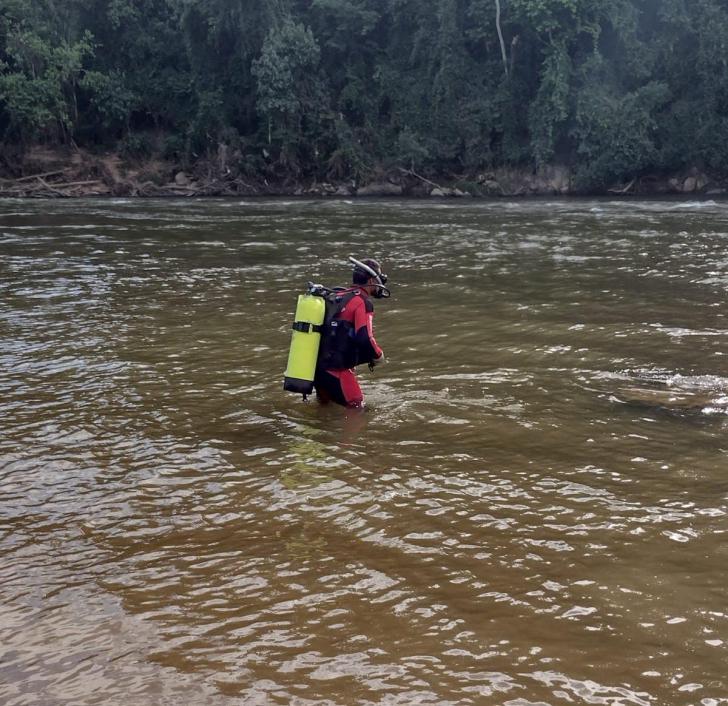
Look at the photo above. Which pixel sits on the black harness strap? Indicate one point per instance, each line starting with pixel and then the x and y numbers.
pixel 338 348
pixel 307 327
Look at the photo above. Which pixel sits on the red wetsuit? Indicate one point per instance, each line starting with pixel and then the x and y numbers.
pixel 341 385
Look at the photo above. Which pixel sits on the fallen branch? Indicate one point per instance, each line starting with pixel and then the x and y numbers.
pixel 457 177
pixel 70 184
pixel 50 188
pixel 239 181
pixel 40 176
pixel 414 174
pixel 623 191
pixel 489 182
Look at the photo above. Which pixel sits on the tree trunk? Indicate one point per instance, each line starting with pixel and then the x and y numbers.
pixel 500 36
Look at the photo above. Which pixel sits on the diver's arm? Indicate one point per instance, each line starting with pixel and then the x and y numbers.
pixel 367 347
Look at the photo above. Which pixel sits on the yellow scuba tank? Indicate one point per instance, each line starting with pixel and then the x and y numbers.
pixel 305 342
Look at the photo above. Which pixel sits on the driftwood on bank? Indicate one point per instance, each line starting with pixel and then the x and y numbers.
pixel 623 191
pixel 41 176
pixel 70 183
pixel 410 172
pixel 37 186
pixel 53 174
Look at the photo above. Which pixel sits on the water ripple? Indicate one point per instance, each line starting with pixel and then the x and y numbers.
pixel 532 511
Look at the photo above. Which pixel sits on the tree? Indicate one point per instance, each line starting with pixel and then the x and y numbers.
pixel 290 92
pixel 40 68
pixel 615 88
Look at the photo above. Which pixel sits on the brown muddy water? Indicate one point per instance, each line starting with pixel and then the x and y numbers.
pixel 521 517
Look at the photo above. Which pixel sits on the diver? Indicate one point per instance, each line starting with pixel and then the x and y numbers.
pixel 347 338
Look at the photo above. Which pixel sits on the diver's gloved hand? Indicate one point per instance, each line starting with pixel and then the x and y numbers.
pixel 376 361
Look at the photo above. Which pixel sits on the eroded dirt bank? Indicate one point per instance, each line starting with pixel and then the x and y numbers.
pixel 69 173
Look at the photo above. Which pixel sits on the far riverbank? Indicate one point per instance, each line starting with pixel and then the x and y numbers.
pixel 73 173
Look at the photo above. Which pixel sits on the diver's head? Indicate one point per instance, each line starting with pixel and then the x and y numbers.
pixel 369 276
pixel 361 276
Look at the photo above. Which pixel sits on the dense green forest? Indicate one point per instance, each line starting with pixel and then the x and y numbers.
pixel 334 89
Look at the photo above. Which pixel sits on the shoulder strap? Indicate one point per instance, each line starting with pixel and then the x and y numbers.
pixel 337 300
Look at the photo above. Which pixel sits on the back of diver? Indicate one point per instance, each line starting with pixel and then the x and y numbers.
pixel 349 339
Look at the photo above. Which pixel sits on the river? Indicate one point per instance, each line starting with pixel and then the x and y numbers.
pixel 529 512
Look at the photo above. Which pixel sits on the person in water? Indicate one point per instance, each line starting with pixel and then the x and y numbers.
pixel 349 337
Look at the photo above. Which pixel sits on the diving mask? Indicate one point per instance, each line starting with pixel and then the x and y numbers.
pixel 381 292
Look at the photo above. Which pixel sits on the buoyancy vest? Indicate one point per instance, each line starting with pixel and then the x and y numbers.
pixel 338 349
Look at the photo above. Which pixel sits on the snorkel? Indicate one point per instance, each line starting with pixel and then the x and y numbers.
pixel 381 292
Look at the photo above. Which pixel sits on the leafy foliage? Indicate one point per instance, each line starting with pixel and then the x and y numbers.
pixel 39 74
pixel 335 88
